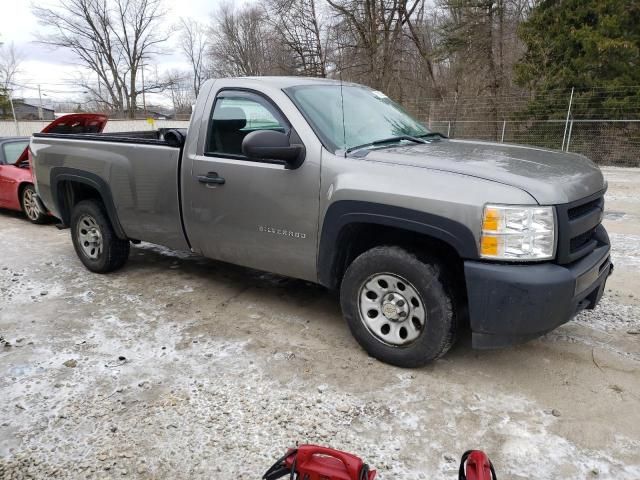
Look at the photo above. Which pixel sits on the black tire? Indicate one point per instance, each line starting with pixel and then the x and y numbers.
pixel 31 207
pixel 114 252
pixel 429 279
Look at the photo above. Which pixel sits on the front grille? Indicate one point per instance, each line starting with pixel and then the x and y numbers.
pixel 576 243
pixel 586 208
pixel 579 230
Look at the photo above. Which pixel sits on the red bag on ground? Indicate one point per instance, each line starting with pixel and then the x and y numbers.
pixel 312 462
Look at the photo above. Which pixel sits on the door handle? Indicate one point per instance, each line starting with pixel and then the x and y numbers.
pixel 211 178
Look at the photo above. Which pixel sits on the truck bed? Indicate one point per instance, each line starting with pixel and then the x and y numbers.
pixel 137 171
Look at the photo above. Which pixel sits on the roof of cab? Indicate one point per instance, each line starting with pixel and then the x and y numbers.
pixel 286 82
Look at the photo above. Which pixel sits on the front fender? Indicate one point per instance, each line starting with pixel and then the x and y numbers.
pixel 348 212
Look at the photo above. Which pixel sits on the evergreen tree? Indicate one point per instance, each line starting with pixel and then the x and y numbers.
pixel 592 45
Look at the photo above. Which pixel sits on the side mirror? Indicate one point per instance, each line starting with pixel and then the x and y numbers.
pixel 273 145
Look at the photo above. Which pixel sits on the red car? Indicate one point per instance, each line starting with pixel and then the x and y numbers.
pixel 16 181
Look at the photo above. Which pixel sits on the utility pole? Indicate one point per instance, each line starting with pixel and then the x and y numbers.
pixel 144 102
pixel 566 123
pixel 13 110
pixel 40 106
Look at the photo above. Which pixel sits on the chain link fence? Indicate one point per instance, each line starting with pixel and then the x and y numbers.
pixel 606 142
pixel 602 124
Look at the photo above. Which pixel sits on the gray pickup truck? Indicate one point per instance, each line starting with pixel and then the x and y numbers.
pixel 335 184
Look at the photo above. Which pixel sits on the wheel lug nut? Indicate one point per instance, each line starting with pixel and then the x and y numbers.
pixel 400 303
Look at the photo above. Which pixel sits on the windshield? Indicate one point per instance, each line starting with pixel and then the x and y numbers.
pixel 368 115
pixel 12 150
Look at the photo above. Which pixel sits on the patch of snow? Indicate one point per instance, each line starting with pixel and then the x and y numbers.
pixel 625 249
pixel 164 251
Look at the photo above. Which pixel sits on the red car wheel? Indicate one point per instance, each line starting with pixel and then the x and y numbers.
pixel 31 206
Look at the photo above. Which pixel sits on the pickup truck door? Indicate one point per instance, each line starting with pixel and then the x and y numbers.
pixel 251 213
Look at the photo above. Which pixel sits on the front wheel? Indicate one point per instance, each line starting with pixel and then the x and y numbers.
pixel 399 307
pixel 94 239
pixel 30 205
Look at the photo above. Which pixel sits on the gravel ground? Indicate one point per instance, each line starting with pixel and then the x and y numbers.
pixel 181 367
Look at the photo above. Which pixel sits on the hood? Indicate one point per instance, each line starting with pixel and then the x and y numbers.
pixel 550 176
pixel 71 123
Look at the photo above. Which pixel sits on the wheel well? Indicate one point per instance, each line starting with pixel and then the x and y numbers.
pixel 355 239
pixel 21 188
pixel 70 193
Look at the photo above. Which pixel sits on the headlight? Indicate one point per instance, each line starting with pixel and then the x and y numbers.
pixel 518 233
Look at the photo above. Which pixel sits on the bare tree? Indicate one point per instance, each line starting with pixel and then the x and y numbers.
pixel 138 36
pixel 112 38
pixel 421 33
pixel 179 91
pixel 84 26
pixel 479 45
pixel 241 41
pixel 10 60
pixel 194 42
pixel 297 25
pixel 371 35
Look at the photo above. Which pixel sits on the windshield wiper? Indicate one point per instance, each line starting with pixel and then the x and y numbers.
pixel 387 140
pixel 432 135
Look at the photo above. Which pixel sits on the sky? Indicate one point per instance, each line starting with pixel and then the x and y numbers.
pixel 54 70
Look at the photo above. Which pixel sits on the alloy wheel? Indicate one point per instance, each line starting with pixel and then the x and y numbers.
pixel 30 204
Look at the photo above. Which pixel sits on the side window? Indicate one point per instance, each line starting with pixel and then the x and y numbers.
pixel 234 116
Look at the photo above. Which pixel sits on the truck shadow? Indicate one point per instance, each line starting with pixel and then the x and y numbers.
pixel 312 304
pixel 221 299
pixel 211 274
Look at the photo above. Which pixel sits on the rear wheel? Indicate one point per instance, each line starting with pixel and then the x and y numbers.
pixel 94 239
pixel 31 206
pixel 399 307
